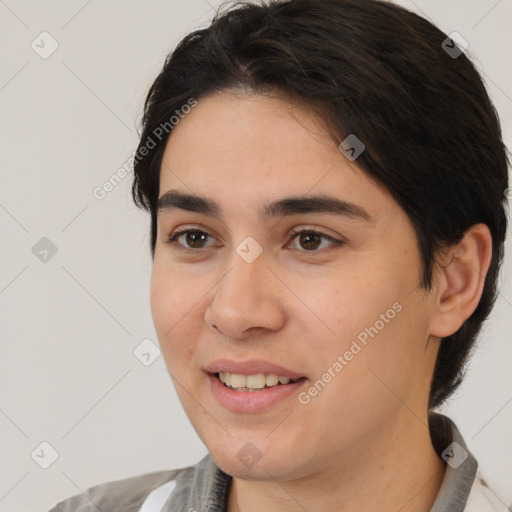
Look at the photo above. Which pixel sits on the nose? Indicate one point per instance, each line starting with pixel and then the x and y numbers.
pixel 246 299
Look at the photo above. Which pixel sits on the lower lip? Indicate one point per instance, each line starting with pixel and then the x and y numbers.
pixel 252 401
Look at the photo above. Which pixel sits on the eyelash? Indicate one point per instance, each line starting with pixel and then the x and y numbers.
pixel 172 240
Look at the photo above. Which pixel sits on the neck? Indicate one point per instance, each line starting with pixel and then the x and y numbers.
pixel 401 472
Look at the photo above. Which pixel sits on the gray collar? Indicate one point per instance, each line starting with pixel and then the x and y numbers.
pixel 205 486
pixel 460 468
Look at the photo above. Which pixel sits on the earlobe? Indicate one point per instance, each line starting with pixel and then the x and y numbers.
pixel 460 280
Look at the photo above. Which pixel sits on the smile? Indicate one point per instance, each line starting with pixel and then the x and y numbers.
pixel 255 382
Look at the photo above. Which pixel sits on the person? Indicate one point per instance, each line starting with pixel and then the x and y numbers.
pixel 326 181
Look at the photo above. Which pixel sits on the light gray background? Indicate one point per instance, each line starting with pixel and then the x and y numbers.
pixel 69 326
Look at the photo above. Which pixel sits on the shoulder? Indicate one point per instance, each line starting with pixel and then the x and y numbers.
pixel 125 495
pixel 483 498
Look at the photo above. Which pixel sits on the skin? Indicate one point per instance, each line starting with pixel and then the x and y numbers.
pixel 362 443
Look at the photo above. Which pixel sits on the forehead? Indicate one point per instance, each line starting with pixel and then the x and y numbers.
pixel 250 148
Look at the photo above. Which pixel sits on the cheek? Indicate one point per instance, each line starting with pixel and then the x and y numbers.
pixel 172 297
pixel 173 318
pixel 361 382
pixel 163 302
pixel 372 321
pixel 349 303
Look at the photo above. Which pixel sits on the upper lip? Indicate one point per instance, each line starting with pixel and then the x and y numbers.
pixel 250 367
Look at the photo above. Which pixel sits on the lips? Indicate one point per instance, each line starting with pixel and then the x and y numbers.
pixel 251 367
pixel 248 400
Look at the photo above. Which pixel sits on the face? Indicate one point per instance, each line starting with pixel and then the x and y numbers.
pixel 324 293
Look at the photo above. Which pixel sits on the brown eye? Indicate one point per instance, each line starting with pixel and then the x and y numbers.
pixel 311 240
pixel 195 239
pixel 191 239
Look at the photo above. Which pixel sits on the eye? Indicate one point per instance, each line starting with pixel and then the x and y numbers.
pixel 311 240
pixel 195 239
pixel 192 238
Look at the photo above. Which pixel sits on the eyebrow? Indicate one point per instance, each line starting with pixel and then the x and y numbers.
pixel 323 203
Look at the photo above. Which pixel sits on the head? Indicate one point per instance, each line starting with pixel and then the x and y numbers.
pixel 265 104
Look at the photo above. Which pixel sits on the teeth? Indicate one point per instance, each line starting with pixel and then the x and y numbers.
pixel 251 382
pixel 256 381
pixel 271 380
pixel 238 381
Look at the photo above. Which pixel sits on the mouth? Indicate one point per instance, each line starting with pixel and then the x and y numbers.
pixel 250 394
pixel 255 382
pixel 252 386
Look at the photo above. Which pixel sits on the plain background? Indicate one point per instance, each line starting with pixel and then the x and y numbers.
pixel 68 374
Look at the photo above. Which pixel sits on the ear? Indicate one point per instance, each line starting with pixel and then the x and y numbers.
pixel 459 280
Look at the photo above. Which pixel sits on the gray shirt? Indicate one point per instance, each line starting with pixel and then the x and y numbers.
pixel 205 487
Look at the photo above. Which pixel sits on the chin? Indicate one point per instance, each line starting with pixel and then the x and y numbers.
pixel 258 460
